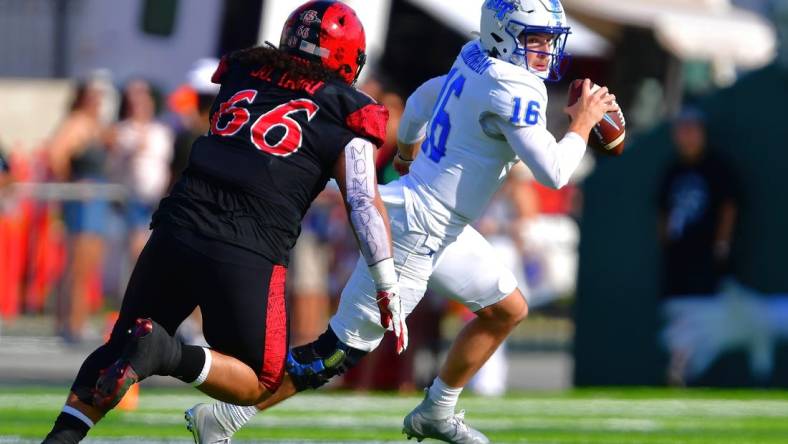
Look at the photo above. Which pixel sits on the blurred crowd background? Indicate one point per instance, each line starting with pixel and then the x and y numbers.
pixel 664 266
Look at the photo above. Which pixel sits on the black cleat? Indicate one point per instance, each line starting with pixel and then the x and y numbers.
pixel 143 356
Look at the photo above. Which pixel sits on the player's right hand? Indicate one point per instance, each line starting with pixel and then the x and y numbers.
pixel 392 317
pixel 592 105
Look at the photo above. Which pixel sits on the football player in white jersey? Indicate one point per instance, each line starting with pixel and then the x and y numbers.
pixel 468 127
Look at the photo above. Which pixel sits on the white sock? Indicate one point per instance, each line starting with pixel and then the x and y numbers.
pixel 443 398
pixel 77 414
pixel 232 417
pixel 206 368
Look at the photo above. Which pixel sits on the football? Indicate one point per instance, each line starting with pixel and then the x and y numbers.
pixel 609 134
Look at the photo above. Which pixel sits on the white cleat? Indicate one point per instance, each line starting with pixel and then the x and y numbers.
pixel 205 429
pixel 452 429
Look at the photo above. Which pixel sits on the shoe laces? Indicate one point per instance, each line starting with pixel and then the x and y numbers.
pixel 458 420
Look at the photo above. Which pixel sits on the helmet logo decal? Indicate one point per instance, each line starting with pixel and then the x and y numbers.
pixel 310 16
pixel 302 32
pixel 502 7
pixel 557 10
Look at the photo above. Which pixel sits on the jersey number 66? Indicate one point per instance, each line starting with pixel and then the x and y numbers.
pixel 239 116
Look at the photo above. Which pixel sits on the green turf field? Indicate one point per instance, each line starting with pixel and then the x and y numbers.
pixel 598 416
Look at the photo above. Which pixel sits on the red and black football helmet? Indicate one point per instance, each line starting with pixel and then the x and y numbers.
pixel 327 32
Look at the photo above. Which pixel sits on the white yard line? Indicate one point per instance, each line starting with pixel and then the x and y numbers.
pixel 344 404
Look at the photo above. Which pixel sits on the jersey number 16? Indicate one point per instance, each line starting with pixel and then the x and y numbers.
pixel 434 145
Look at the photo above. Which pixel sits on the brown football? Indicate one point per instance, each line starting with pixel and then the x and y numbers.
pixel 609 134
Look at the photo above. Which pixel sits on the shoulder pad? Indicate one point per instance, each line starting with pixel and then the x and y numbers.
pixel 363 116
pixel 369 122
pixel 512 94
pixel 220 71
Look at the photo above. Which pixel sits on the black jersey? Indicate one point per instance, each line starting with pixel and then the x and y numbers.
pixel 271 149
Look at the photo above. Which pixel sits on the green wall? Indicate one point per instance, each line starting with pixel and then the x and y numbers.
pixel 616 308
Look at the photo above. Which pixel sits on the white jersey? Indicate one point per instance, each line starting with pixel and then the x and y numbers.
pixel 478 119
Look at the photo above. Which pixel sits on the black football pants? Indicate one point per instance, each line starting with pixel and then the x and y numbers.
pixel 241 296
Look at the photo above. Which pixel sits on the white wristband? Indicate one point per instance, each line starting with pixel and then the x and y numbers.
pixel 384 274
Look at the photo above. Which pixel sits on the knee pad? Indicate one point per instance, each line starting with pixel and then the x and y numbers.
pixel 314 364
pixel 101 358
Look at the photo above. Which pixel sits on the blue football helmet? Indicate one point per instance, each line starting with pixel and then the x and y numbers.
pixel 506 23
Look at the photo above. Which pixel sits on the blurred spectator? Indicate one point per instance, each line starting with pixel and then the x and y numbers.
pixel 310 269
pixel 5 170
pixel 140 160
pixel 5 179
pixel 192 103
pixel 77 153
pixel 698 207
pixel 548 234
pixel 748 317
pixel 395 105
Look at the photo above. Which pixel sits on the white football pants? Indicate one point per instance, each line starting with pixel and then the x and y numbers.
pixel 465 269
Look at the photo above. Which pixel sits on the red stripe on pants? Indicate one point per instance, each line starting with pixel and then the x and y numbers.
pixel 275 350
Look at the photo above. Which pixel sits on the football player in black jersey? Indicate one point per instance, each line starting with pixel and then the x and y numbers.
pixel 285 121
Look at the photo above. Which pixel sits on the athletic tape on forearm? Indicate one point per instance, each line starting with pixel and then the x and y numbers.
pixel 361 187
pixel 384 274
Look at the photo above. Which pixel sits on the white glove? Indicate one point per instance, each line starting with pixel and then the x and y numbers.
pixel 389 303
pixel 391 315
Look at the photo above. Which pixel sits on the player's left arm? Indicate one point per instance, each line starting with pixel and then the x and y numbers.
pixel 413 122
pixel 355 175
